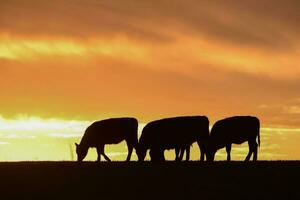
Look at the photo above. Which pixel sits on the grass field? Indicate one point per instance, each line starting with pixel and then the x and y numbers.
pixel 170 180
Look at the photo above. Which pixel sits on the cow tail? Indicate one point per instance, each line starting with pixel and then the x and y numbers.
pixel 258 139
pixel 258 136
pixel 136 140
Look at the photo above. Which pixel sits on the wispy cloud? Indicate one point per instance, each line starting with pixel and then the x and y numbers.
pixel 193 33
pixel 270 23
pixel 293 109
pixel 16 48
pixel 4 143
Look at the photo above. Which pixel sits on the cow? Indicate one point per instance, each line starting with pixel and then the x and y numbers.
pixel 108 131
pixel 234 130
pixel 173 133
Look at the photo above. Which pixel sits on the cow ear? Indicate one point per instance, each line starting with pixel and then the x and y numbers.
pixel 76 144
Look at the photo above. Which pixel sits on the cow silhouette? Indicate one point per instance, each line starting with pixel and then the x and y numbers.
pixel 234 130
pixel 173 133
pixel 108 131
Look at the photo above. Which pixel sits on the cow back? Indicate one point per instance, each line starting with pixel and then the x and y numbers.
pixel 173 132
pixel 236 129
pixel 111 131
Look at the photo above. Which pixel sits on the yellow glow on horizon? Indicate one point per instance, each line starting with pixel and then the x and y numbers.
pixel 24 126
pixel 23 137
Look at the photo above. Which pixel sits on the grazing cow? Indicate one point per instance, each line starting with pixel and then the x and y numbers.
pixel 173 133
pixel 108 131
pixel 234 130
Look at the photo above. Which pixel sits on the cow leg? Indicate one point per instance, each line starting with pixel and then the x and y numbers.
pixel 103 154
pixel 187 151
pixel 157 155
pixel 106 158
pixel 181 153
pixel 202 151
pixel 250 144
pixel 228 150
pixel 161 155
pixel 153 156
pixel 254 147
pixel 98 154
pixel 177 151
pixel 130 148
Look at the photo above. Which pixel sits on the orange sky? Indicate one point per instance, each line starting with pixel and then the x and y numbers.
pixel 88 60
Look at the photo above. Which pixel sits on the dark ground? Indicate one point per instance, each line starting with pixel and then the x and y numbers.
pixel 170 180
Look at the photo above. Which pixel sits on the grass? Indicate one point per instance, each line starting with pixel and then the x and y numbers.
pixel 133 180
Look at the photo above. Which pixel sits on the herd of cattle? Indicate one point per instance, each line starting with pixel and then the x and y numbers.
pixel 177 133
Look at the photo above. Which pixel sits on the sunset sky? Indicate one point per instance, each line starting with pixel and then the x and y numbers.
pixel 67 63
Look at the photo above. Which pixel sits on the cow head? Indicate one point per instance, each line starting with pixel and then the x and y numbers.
pixel 81 152
pixel 141 152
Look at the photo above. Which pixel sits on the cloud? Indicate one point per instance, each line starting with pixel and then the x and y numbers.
pixel 15 48
pixel 4 143
pixel 270 24
pixel 84 59
pixel 88 89
pixel 293 109
pixel 68 18
pixel 31 127
pixel 186 36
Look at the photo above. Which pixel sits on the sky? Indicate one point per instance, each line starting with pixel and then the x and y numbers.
pixel 65 64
